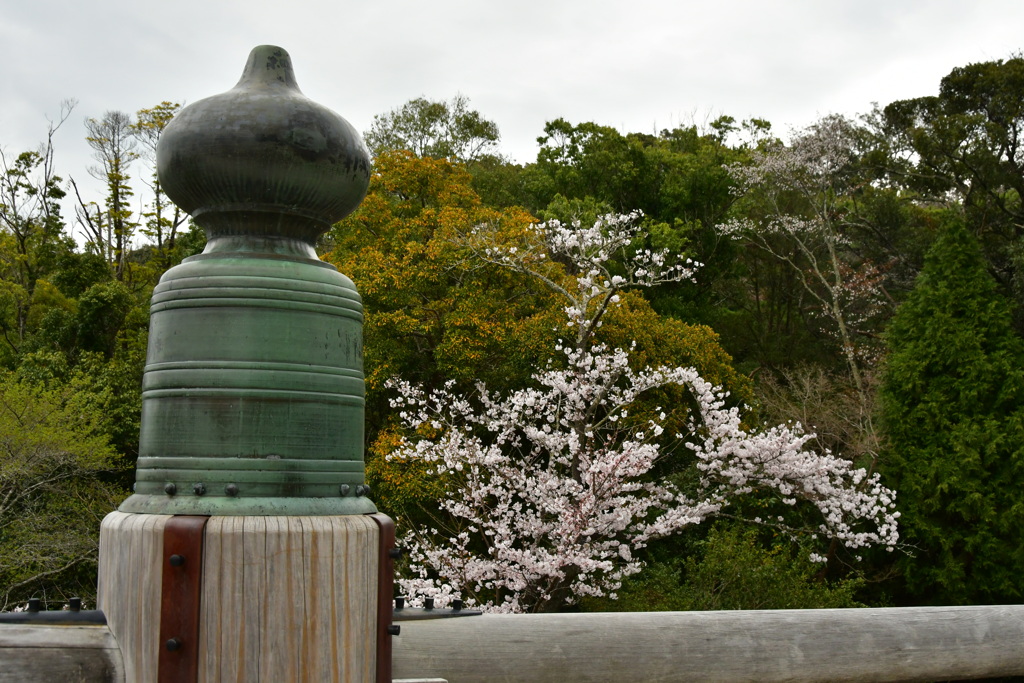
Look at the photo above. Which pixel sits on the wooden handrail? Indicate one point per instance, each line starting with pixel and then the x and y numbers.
pixel 895 644
pixel 877 644
pixel 48 652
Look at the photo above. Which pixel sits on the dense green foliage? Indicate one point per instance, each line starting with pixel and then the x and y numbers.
pixel 953 404
pixel 967 140
pixel 441 130
pixel 732 569
pixel 53 454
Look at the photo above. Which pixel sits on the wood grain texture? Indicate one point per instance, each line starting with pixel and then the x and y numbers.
pixel 289 599
pixel 385 594
pixel 130 575
pixel 898 644
pixel 47 654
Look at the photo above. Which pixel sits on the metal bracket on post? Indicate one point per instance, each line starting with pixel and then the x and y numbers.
pixel 181 589
pixel 385 591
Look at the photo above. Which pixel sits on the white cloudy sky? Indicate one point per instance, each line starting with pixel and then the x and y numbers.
pixel 637 65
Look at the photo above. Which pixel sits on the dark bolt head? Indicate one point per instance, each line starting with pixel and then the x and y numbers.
pixel 75 604
pixel 456 605
pixel 395 553
pixel 231 490
pixel 428 603
pixel 362 490
pixel 170 489
pixel 34 604
pixel 399 602
pixel 394 630
pixel 177 560
pixel 199 488
pixel 173 644
pixel 344 489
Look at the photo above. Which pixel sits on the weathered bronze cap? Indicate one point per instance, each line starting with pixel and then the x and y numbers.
pixel 263 157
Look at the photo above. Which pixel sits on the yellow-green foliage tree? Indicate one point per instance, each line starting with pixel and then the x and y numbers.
pixel 430 314
pixel 53 455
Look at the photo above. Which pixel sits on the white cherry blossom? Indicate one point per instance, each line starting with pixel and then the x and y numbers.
pixel 551 488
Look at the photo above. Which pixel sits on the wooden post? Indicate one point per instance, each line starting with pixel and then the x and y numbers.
pixel 283 598
pixel 130 575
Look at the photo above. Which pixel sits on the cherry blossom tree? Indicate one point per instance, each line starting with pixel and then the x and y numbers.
pixel 804 190
pixel 551 489
pixel 804 213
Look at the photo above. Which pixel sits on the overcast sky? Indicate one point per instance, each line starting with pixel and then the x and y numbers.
pixel 636 65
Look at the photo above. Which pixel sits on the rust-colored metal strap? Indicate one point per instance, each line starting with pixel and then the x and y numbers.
pixel 179 600
pixel 385 593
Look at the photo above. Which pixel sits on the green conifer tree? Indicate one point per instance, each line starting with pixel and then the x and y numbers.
pixel 953 410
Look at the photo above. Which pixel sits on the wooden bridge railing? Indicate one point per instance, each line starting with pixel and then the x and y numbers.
pixel 895 644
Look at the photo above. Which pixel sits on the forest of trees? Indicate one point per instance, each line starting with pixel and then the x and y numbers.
pixel 863 277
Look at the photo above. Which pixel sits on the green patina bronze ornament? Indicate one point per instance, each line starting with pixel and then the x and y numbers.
pixel 252 398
